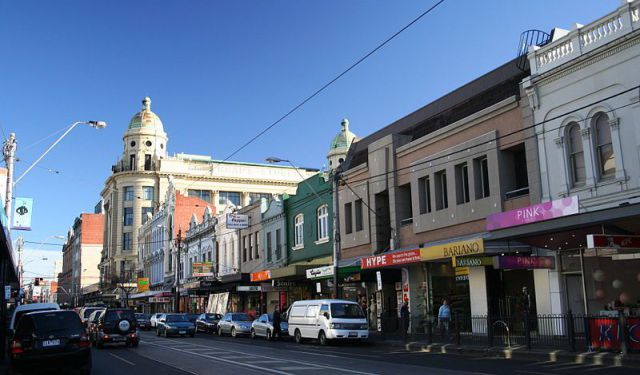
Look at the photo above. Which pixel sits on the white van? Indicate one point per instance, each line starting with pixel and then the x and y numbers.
pixel 327 319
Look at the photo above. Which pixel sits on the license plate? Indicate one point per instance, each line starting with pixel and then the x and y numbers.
pixel 353 334
pixel 119 339
pixel 48 343
pixel 183 332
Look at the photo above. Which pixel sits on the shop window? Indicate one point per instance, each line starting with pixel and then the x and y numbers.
pixel 269 250
pixel 359 215
pixel 481 177
pixel 442 199
pixel 405 204
pixel 462 183
pixel 576 155
pixel 604 147
pixel 424 192
pixel 323 222
pixel 298 239
pixel 513 174
pixel 278 244
pixel 348 218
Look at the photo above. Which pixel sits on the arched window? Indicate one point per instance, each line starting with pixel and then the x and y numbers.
pixel 576 155
pixel 323 222
pixel 299 230
pixel 604 149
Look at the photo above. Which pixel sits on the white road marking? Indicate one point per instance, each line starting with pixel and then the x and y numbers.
pixel 122 359
pixel 536 372
pixel 297 368
pixel 265 361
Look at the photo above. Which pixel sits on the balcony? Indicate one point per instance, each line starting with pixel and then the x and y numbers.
pixel 584 39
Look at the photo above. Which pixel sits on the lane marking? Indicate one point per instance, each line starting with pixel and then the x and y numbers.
pixel 266 361
pixel 122 359
pixel 297 368
pixel 165 363
pixel 536 372
pixel 244 355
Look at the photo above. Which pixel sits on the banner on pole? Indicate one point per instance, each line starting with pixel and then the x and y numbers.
pixel 22 214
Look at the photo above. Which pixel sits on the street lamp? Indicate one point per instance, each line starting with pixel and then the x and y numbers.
pixel 274 160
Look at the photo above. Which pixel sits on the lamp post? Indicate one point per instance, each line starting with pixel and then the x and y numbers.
pixel 10 151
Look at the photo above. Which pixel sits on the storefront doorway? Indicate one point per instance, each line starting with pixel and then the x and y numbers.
pixel 444 284
pixel 505 291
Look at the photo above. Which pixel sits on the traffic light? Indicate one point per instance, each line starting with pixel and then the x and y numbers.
pixel 37 281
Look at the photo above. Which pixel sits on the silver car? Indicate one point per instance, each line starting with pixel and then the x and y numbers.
pixel 263 326
pixel 234 324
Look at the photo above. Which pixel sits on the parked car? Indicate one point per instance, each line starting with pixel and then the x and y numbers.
pixel 263 326
pixel 92 323
pixel 117 325
pixel 192 317
pixel 143 321
pixel 327 319
pixel 85 312
pixel 208 323
pixel 175 324
pixel 234 324
pixel 153 320
pixel 50 339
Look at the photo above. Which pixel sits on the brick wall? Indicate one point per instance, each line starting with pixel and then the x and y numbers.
pixel 92 228
pixel 185 207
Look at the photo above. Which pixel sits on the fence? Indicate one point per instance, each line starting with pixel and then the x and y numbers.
pixel 567 331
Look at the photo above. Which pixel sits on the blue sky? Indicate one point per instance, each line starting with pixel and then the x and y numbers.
pixel 220 71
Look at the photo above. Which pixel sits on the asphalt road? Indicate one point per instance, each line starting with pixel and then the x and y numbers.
pixel 207 354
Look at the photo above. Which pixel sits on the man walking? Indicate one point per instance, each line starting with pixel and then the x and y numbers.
pixel 444 318
pixel 276 323
pixel 405 315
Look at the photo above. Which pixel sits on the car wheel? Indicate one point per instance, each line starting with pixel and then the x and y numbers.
pixel 253 333
pixel 322 338
pixel 268 335
pixel 233 332
pixel 298 336
pixel 219 331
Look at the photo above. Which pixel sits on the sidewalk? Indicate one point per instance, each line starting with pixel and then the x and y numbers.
pixel 513 352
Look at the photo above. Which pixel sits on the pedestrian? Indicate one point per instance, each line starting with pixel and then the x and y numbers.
pixel 277 320
pixel 405 316
pixel 444 318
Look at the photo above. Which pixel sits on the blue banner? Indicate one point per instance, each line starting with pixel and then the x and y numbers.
pixel 22 214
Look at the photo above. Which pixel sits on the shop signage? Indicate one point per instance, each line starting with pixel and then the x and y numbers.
pixel 315 273
pixel 261 275
pixel 604 334
pixel 473 246
pixel 159 299
pixel 248 288
pixel 523 262
pixel 237 221
pixel 283 283
pixel 143 284
pixel 614 242
pixel 531 214
pixel 379 279
pixel 472 261
pixel 318 287
pixel 392 259
pixel 7 292
pixel 22 214
pixel 202 269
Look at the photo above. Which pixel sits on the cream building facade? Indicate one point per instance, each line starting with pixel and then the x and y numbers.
pixel 141 177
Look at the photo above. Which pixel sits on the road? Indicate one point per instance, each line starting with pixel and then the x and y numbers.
pixel 206 354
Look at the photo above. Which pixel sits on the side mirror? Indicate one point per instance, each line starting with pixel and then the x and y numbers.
pixel 326 315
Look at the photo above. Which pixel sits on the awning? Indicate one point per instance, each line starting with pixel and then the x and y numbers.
pixel 151 293
pixel 299 268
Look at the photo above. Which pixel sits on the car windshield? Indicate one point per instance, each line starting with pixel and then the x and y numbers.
pixel 113 315
pixel 346 311
pixel 88 312
pixel 19 314
pixel 240 318
pixel 58 321
pixel 142 316
pixel 212 317
pixel 176 318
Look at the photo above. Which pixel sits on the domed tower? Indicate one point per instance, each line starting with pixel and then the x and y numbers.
pixel 340 145
pixel 145 141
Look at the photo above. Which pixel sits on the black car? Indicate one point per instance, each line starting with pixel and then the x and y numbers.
pixel 175 324
pixel 208 323
pixel 51 339
pixel 143 321
pixel 117 325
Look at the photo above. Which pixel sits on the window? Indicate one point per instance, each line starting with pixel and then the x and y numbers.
pixel 128 193
pixel 278 244
pixel 481 177
pixel 404 204
pixel 205 195
pixel 230 196
pixel 128 216
pixel 132 162
pixel 348 218
pixel 462 183
pixel 298 231
pixel 250 247
pixel 256 242
pixel 126 241
pixel 147 162
pixel 424 190
pixel 576 155
pixel 145 211
pixel 604 147
pixel 323 222
pixel 312 311
pixel 269 250
pixel 244 248
pixel 253 197
pixel 359 215
pixel 442 198
pixel 147 193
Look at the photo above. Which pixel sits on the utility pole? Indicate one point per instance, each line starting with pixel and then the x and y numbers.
pixel 20 245
pixel 336 231
pixel 178 242
pixel 9 152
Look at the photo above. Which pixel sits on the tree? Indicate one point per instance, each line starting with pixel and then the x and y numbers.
pixel 126 283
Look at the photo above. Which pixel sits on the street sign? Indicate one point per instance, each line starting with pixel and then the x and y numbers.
pixel 7 292
pixel 248 288
pixel 379 279
pixel 237 221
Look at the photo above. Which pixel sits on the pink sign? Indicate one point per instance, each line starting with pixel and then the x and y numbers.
pixel 531 214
